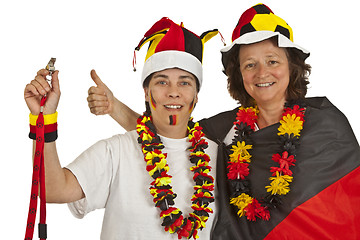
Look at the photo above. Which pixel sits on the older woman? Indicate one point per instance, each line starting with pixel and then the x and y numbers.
pixel 288 166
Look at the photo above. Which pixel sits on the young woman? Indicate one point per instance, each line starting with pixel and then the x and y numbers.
pixel 153 181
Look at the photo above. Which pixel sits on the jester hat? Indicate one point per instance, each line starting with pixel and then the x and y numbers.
pixel 173 46
pixel 259 23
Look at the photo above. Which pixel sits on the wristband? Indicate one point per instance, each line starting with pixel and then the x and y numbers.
pixel 48 119
pixel 50 129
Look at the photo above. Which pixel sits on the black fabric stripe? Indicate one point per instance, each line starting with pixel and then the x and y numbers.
pixel 283 31
pixel 247 28
pixel 32 136
pixel 171 120
pixel 49 137
pixel 261 9
pixel 193 44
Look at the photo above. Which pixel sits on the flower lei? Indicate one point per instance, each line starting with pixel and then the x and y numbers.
pixel 160 188
pixel 291 125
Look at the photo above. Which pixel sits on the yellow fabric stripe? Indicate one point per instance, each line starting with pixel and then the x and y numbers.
pixel 48 119
pixel 208 35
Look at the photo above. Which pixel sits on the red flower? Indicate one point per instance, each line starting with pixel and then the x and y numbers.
pixel 238 170
pixel 167 211
pixel 255 209
pixel 185 231
pixel 197 134
pixel 196 144
pixel 299 112
pixel 247 115
pixel 150 167
pixel 200 166
pixel 285 162
pixel 207 176
pixel 280 170
pixel 209 187
pixel 201 195
pixel 175 225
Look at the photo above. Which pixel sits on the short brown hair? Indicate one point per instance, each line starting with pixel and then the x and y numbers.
pixel 148 78
pixel 299 73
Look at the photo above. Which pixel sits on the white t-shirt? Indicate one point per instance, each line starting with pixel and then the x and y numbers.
pixel 112 174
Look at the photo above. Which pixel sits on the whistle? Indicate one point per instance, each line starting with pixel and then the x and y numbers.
pixel 51 68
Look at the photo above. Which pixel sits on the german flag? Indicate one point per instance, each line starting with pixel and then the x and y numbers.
pixel 324 198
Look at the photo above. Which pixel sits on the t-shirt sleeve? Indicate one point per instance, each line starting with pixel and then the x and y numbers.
pixel 94 172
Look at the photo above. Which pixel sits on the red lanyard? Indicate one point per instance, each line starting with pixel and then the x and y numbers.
pixel 38 179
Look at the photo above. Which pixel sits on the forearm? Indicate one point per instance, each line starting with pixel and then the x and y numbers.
pixel 125 116
pixel 61 184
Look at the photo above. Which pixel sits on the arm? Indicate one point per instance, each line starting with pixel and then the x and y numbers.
pixel 102 101
pixel 61 184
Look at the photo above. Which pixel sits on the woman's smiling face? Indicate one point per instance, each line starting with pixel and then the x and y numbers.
pixel 265 71
pixel 172 94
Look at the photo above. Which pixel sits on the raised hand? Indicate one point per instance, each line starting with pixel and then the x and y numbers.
pixel 100 98
pixel 38 88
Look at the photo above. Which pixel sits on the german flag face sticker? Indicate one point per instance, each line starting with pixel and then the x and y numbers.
pixel 172 119
pixel 152 101
pixel 192 106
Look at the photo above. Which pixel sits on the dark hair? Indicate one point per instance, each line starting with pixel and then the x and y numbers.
pixel 148 78
pixel 299 73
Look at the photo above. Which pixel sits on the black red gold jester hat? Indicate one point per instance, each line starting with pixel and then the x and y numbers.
pixel 173 46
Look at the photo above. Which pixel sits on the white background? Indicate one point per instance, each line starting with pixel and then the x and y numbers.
pixel 102 35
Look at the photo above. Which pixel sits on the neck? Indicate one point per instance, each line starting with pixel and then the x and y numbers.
pixel 270 114
pixel 176 132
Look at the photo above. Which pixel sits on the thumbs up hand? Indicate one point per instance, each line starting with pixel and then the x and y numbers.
pixel 100 98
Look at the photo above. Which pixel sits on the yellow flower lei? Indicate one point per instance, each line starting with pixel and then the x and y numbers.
pixel 291 125
pixel 161 189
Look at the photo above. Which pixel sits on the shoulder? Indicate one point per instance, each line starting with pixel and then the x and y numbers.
pixel 116 143
pixel 322 115
pixel 322 107
pixel 216 127
pixel 319 102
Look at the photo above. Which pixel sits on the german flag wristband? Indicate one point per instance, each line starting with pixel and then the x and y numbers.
pixel 50 130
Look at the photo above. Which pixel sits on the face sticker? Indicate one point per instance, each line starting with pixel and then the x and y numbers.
pixel 192 106
pixel 152 101
pixel 172 119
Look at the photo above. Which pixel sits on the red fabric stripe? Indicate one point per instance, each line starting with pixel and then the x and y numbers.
pixel 173 40
pixel 48 128
pixel 38 179
pixel 334 213
pixel 245 18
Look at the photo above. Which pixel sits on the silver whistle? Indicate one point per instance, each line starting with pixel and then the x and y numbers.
pixel 51 68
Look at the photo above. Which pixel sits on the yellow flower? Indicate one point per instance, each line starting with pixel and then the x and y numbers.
pixel 279 184
pixel 241 202
pixel 290 124
pixel 158 166
pixel 201 220
pixel 140 128
pixel 240 152
pixel 162 181
pixel 146 137
pixel 149 156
